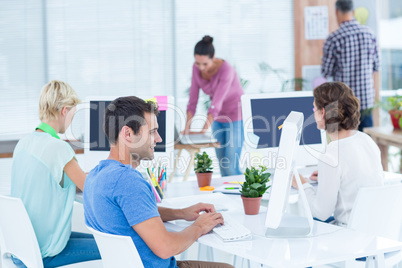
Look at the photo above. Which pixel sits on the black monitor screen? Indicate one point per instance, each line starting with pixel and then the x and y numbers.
pixel 97 137
pixel 268 114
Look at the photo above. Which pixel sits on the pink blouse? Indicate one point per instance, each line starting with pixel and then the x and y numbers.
pixel 224 89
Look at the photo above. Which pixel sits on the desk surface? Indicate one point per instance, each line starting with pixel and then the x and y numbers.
pixel 328 244
pixel 196 145
pixel 188 188
pixel 7 147
pixel 385 135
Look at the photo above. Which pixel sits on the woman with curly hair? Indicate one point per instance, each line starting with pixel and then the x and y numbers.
pixel 351 161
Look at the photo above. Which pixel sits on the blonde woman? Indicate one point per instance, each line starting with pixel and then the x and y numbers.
pixel 45 174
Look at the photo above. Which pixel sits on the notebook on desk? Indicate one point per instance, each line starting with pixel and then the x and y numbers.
pixel 194 138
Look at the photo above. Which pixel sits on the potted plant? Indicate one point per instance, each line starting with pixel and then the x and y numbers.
pixel 203 169
pixel 254 186
pixel 393 105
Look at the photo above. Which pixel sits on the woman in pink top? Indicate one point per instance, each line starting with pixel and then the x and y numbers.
pixel 218 79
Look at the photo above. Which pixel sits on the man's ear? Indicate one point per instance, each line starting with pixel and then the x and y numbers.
pixel 126 133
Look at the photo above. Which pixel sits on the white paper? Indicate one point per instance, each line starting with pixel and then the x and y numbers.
pixel 252 140
pixel 316 22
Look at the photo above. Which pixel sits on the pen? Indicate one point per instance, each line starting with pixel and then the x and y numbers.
pixel 157 196
pixel 222 209
pixel 160 176
pixel 231 188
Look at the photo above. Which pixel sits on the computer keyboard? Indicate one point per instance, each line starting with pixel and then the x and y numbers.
pixel 231 230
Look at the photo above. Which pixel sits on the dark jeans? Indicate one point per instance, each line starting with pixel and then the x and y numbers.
pixel 80 248
pixel 366 118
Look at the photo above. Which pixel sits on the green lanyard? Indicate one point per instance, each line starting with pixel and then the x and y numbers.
pixel 48 129
pixel 328 139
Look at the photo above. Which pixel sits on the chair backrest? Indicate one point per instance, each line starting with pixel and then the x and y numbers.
pixel 17 236
pixel 117 250
pixel 378 211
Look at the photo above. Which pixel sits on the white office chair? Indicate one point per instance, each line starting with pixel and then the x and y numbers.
pixel 378 211
pixel 117 250
pixel 17 237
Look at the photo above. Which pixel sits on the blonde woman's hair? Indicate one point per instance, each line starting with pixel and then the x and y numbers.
pixel 54 96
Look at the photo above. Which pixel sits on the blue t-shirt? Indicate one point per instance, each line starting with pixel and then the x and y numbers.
pixel 38 163
pixel 117 197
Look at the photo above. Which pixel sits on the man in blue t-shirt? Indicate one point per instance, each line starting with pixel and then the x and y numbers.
pixel 118 200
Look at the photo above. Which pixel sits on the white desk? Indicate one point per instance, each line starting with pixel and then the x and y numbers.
pixel 328 244
pixel 188 188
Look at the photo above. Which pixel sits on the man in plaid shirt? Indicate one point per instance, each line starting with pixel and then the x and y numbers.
pixel 351 56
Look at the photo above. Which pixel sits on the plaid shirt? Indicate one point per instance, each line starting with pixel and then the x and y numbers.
pixel 351 56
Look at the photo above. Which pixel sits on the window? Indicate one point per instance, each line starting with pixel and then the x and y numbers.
pixel 245 33
pixel 22 66
pixel 391 44
pixel 132 48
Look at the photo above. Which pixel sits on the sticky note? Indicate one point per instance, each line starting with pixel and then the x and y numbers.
pixel 233 182
pixel 207 188
pixel 162 102
pixel 318 81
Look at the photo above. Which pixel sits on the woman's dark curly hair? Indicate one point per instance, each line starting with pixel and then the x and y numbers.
pixel 342 108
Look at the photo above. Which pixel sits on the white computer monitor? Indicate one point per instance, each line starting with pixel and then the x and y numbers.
pixel 97 146
pixel 278 222
pixel 264 113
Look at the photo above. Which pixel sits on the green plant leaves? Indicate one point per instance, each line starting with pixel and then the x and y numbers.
pixel 251 178
pixel 255 185
pixel 391 103
pixel 265 176
pixel 254 193
pixel 256 180
pixel 203 163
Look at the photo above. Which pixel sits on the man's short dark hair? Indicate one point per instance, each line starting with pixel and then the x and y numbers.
pixel 126 111
pixel 344 6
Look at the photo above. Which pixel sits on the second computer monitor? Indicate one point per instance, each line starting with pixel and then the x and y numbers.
pixel 97 145
pixel 263 115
